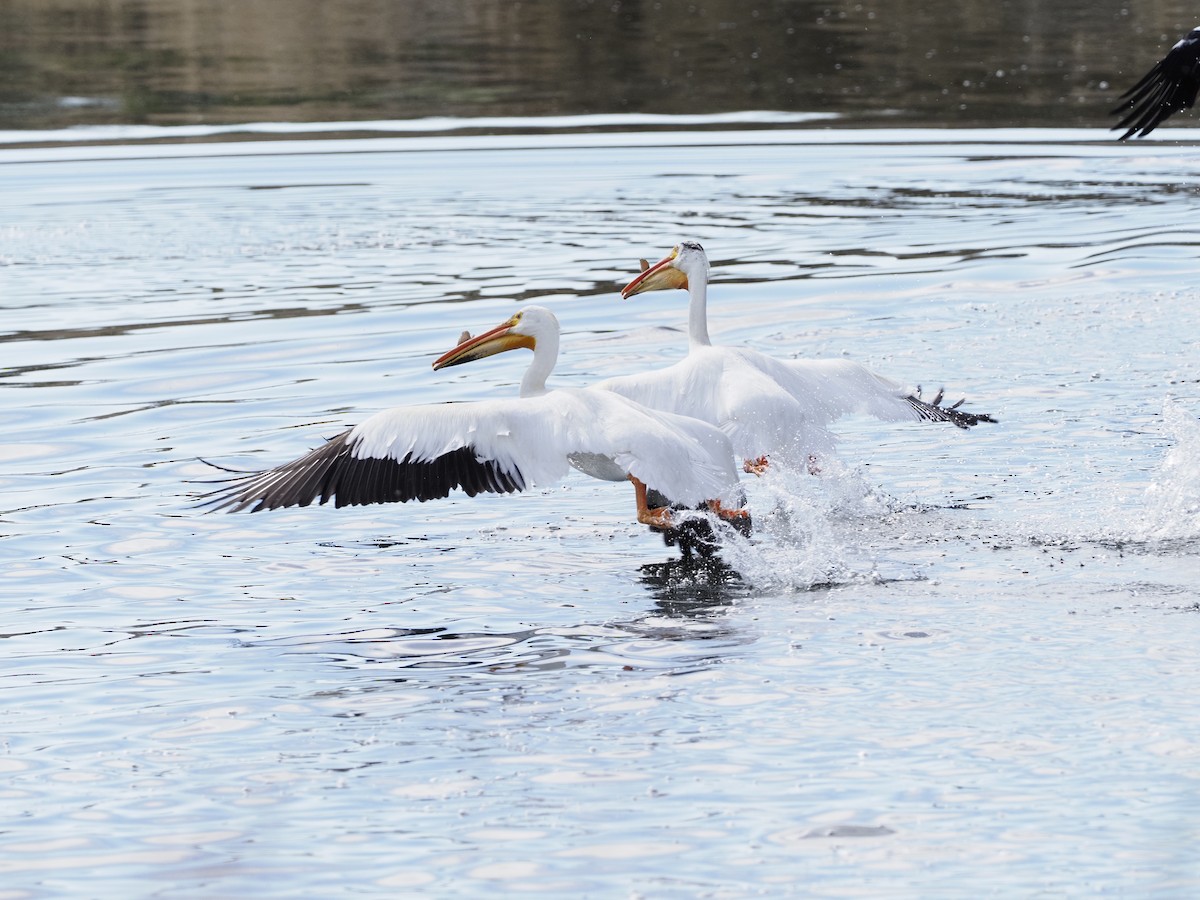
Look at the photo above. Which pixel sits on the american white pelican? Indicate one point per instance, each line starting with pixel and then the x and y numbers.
pixel 772 409
pixel 1163 91
pixel 424 452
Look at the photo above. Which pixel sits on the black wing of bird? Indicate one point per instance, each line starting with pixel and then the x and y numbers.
pixel 1163 91
pixel 933 411
pixel 334 471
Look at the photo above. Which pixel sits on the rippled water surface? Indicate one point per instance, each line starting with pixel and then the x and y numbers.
pixel 959 661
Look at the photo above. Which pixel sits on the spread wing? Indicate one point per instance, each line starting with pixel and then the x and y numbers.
pixel 426 452
pixel 718 385
pixel 410 453
pixel 842 387
pixel 1163 91
pixel 781 409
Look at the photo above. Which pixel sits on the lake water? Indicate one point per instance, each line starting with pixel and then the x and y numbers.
pixel 958 662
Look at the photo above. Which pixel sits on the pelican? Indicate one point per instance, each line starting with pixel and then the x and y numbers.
pixel 771 409
pixel 425 452
pixel 1163 91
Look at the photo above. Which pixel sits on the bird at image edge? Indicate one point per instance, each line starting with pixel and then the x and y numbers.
pixel 505 445
pixel 1170 86
pixel 775 411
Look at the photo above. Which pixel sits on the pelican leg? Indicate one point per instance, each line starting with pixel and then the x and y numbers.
pixel 660 517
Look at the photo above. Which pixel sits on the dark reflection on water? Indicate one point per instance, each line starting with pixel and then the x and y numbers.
pixel 968 62
pixel 692 586
pixel 686 626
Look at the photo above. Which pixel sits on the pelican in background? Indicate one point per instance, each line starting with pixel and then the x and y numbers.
pixel 1163 91
pixel 424 452
pixel 773 410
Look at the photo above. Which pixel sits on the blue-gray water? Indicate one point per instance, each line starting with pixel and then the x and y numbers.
pixel 966 663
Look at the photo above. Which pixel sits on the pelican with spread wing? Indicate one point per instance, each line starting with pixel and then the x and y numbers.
pixel 505 445
pixel 771 409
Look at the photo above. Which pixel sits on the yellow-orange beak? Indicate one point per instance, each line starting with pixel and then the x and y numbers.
pixel 489 343
pixel 661 276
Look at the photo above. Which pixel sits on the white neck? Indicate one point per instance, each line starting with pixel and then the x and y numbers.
pixel 545 355
pixel 698 310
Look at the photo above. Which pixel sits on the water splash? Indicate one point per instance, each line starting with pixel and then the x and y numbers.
pixel 1172 501
pixel 813 532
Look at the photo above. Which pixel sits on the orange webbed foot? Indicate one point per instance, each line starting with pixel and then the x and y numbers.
pixel 756 466
pixel 725 512
pixel 658 517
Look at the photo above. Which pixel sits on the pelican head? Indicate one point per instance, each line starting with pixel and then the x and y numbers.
pixel 670 272
pixel 523 330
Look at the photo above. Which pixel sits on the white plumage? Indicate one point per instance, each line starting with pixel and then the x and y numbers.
pixel 536 439
pixel 779 409
pixel 425 452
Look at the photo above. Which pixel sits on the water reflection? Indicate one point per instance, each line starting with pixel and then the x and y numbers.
pixel 71 62
pixel 686 626
pixel 693 586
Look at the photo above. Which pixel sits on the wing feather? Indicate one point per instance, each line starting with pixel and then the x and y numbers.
pixel 724 387
pixel 782 409
pixel 308 481
pixel 1171 85
pixel 414 453
pixel 844 388
pixel 425 452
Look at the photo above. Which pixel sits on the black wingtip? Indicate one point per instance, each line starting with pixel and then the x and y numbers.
pixel 933 411
pixel 1170 86
pixel 333 472
pixel 210 500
